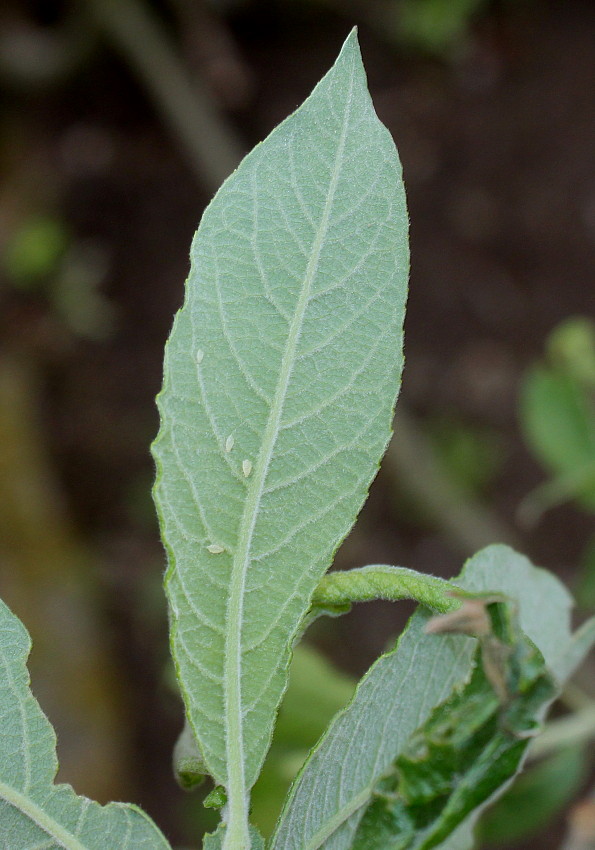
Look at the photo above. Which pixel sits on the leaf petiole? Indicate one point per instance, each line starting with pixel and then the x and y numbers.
pixel 339 589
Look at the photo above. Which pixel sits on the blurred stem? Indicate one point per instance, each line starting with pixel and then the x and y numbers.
pixel 37 56
pixel 413 466
pixel 209 47
pixel 185 105
pixel 575 698
pixel 576 728
pixel 580 834
pixel 569 485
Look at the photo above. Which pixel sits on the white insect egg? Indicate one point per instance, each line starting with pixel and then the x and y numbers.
pixel 199 356
pixel 246 467
pixel 229 443
pixel 215 549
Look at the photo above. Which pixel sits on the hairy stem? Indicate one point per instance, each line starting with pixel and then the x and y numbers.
pixel 380 581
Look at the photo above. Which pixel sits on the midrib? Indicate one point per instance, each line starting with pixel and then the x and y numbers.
pixel 36 814
pixel 237 792
pixel 339 818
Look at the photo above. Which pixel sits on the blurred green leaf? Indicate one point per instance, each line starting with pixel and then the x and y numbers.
pixel 571 347
pixel 470 455
pixel 536 797
pixel 437 26
pixel 558 419
pixel 35 250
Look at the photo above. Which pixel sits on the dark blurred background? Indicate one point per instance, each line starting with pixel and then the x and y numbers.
pixel 119 120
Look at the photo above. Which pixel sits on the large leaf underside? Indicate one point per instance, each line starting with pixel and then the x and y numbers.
pixel 281 374
pixel 35 814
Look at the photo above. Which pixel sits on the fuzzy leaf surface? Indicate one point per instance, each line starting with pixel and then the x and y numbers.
pixel 281 374
pixel 34 813
pixel 399 692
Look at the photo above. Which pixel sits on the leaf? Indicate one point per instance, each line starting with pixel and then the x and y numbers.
pixel 397 696
pixel 468 748
pixel 214 840
pixel 34 813
pixel 280 380
pixel 315 693
pixel 189 768
pixel 558 419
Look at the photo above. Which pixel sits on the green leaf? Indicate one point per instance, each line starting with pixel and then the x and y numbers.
pixel 35 813
pixel 398 694
pixel 315 693
pixel 280 380
pixel 214 840
pixel 470 745
pixel 558 419
pixel 189 768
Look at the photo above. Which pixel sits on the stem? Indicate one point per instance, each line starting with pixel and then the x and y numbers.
pixel 577 728
pixel 562 488
pixel 185 105
pixel 412 465
pixel 380 581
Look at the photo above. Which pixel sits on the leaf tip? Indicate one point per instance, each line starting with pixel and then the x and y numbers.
pixel 351 47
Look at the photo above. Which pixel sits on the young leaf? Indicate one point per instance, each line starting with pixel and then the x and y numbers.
pixel 290 342
pixel 398 694
pixel 35 813
pixel 468 748
pixel 189 768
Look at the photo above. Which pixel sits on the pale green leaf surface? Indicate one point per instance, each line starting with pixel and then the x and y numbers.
pixel 35 814
pixel 214 840
pixel 398 693
pixel 316 692
pixel 280 380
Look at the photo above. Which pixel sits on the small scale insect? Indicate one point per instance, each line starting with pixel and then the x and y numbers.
pixel 246 467
pixel 199 356
pixel 229 443
pixel 215 549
